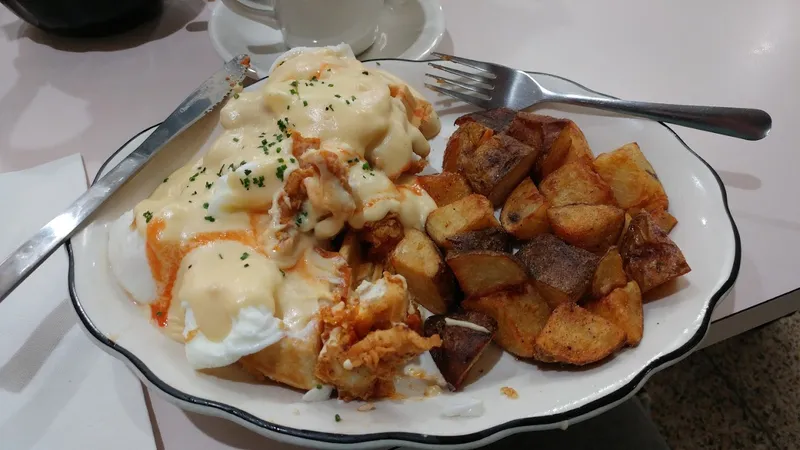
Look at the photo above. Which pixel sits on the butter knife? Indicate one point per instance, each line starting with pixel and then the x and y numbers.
pixel 32 253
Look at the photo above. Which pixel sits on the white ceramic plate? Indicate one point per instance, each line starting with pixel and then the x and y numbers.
pixel 548 398
pixel 408 29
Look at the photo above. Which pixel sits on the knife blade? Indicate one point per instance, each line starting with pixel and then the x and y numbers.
pixel 17 266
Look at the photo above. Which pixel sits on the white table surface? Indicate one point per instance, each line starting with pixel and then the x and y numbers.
pixel 60 96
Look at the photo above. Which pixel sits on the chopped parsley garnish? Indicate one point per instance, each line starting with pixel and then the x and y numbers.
pixel 203 170
pixel 244 256
pixel 329 69
pixel 378 64
pixel 209 184
pixel 293 83
pixel 245 182
pixel 278 151
pixel 210 218
pixel 365 166
pixel 235 95
pixel 190 266
pixel 282 272
pixel 281 63
pixel 279 171
pixel 338 418
pixel 166 179
pixel 280 160
pixel 330 85
pixel 242 163
pixel 305 103
pixel 314 78
pixel 159 313
pixel 365 72
pixel 353 97
pixel 194 193
pixel 259 181
pixel 338 96
pixel 329 107
pixel 194 177
pixel 288 107
pixel 282 125
pixel 205 205
pixel 147 216
pixel 220 255
pixel 293 91
pixel 292 160
pixel 347 101
pixel 247 171
pixel 235 139
pixel 219 174
pixel 319 386
pixel 247 265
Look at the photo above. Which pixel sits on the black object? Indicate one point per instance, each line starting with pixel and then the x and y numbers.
pixel 85 18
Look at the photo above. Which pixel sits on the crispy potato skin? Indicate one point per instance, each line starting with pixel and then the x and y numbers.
pixel 591 227
pixel 496 119
pixel 429 279
pixel 461 346
pixel 569 145
pixel 520 312
pixel 482 271
pixel 576 183
pixel 494 239
pixel 446 187
pixel 524 213
pixel 649 256
pixel 465 139
pixel 473 212
pixel 623 307
pixel 573 335
pixel 562 273
pixel 496 167
pixel 609 274
pixel 632 179
pixel 664 220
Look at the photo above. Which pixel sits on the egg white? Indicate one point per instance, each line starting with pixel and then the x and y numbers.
pixel 127 257
pixel 254 329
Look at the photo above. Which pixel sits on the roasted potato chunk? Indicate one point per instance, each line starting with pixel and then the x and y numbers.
pixel 473 212
pixel 623 307
pixel 446 187
pixel 429 280
pixel 591 227
pixel 520 312
pixel 649 256
pixel 524 213
pixel 496 167
pixel 465 139
pixel 569 146
pixel 664 220
pixel 496 119
pixel 527 128
pixel 573 335
pixel 562 273
pixel 482 271
pixel 382 236
pixel 609 274
pixel 465 335
pixel 632 179
pixel 495 239
pixel 576 183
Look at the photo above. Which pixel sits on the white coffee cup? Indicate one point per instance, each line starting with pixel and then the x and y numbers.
pixel 310 23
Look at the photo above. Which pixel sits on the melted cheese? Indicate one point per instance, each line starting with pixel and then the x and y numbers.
pixel 463 323
pixel 237 234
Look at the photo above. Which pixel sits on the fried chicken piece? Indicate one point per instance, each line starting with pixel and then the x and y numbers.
pixel 380 304
pixel 366 370
pixel 383 236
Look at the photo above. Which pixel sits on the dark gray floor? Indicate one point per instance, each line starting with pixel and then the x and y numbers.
pixel 741 393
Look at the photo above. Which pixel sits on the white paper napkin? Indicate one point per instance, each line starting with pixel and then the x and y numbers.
pixel 57 390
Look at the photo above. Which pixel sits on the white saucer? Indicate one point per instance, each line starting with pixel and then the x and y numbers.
pixel 407 29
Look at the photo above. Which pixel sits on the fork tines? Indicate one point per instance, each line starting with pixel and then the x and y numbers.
pixel 481 83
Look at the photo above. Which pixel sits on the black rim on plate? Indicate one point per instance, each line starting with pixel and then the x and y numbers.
pixel 334 438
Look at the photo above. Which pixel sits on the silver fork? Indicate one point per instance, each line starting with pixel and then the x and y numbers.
pixel 495 86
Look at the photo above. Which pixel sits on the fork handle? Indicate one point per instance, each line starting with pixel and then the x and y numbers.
pixel 744 123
